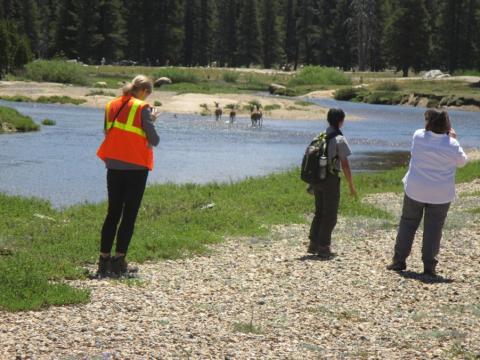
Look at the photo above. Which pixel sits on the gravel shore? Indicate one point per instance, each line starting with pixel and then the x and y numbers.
pixel 254 298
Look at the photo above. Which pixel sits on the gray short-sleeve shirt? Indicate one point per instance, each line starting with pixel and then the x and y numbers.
pixel 338 147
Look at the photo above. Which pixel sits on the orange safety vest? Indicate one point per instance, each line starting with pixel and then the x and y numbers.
pixel 125 139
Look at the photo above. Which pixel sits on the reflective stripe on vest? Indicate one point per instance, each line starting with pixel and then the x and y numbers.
pixel 128 126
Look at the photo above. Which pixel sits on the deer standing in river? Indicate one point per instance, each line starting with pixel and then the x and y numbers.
pixel 218 111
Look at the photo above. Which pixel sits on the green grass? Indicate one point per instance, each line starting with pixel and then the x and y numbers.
pixel 304 103
pixel 56 71
pixel 59 100
pixel 11 118
pixel 101 93
pixel 44 99
pixel 40 252
pixel 17 98
pixel 247 328
pixel 49 122
pixel 186 80
pixel 272 107
pixel 231 77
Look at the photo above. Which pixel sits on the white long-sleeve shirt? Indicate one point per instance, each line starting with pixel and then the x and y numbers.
pixel 431 175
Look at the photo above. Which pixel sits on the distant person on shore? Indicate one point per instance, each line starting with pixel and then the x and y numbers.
pixel 127 152
pixel 327 191
pixel 429 189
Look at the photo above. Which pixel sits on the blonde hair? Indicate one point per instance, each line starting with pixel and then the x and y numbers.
pixel 139 83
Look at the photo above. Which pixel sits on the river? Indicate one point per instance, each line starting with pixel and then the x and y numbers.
pixel 59 163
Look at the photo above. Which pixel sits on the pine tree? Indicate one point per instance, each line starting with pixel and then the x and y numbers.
pixel 5 47
pixel 67 28
pixel 29 24
pixel 291 40
pixel 89 36
pixel 134 47
pixel 227 44
pixel 364 29
pixel 306 31
pixel 341 47
pixel 205 44
pixel 169 45
pixel 455 40
pixel 406 35
pixel 249 40
pixel 48 23
pixel 112 30
pixel 191 32
pixel 272 51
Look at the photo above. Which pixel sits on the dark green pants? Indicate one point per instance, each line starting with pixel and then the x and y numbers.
pixel 434 218
pixel 327 199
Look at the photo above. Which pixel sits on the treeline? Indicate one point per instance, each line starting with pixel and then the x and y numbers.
pixel 363 34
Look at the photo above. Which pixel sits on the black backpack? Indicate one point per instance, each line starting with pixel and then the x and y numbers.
pixel 311 169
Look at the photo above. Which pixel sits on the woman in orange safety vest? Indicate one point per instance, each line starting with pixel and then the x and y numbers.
pixel 127 152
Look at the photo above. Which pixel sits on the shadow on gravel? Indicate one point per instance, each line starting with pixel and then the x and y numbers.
pixel 426 279
pixel 315 258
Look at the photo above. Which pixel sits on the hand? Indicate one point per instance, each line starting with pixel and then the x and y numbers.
pixel 154 113
pixel 353 193
pixel 452 133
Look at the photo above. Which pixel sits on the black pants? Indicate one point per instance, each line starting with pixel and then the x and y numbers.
pixel 327 199
pixel 125 193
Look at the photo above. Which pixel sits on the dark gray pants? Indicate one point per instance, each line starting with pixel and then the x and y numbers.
pixel 327 199
pixel 434 219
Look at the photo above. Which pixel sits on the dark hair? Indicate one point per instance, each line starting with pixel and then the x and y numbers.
pixel 335 117
pixel 437 122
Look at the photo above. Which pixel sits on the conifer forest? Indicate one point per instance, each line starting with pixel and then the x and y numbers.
pixel 348 34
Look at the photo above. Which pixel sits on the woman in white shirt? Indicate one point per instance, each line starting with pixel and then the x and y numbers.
pixel 429 189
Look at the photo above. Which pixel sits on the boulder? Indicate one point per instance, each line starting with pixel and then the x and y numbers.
pixel 162 81
pixel 277 89
pixel 435 74
pixel 100 84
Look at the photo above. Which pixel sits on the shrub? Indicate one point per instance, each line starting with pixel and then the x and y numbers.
pixel 231 76
pixel 49 122
pixel 346 94
pixel 178 75
pixel 320 75
pixel 272 107
pixel 101 92
pixel 387 86
pixel 12 118
pixel 56 71
pixel 255 103
pixel 59 100
pixel 304 103
pixel 17 98
pixel 157 103
pixel 232 106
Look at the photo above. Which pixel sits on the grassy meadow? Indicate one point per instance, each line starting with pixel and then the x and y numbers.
pixel 41 247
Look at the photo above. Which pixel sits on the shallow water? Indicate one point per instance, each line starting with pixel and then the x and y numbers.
pixel 59 163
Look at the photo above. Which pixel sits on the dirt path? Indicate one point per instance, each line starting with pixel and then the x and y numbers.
pixel 255 298
pixel 171 102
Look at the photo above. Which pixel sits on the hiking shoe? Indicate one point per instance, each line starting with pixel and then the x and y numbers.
pixel 312 249
pixel 397 266
pixel 324 252
pixel 430 271
pixel 104 267
pixel 120 267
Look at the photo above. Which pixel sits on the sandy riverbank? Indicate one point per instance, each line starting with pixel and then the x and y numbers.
pixel 171 102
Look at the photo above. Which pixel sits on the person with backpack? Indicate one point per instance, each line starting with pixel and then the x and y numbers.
pixel 322 164
pixel 429 189
pixel 127 152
